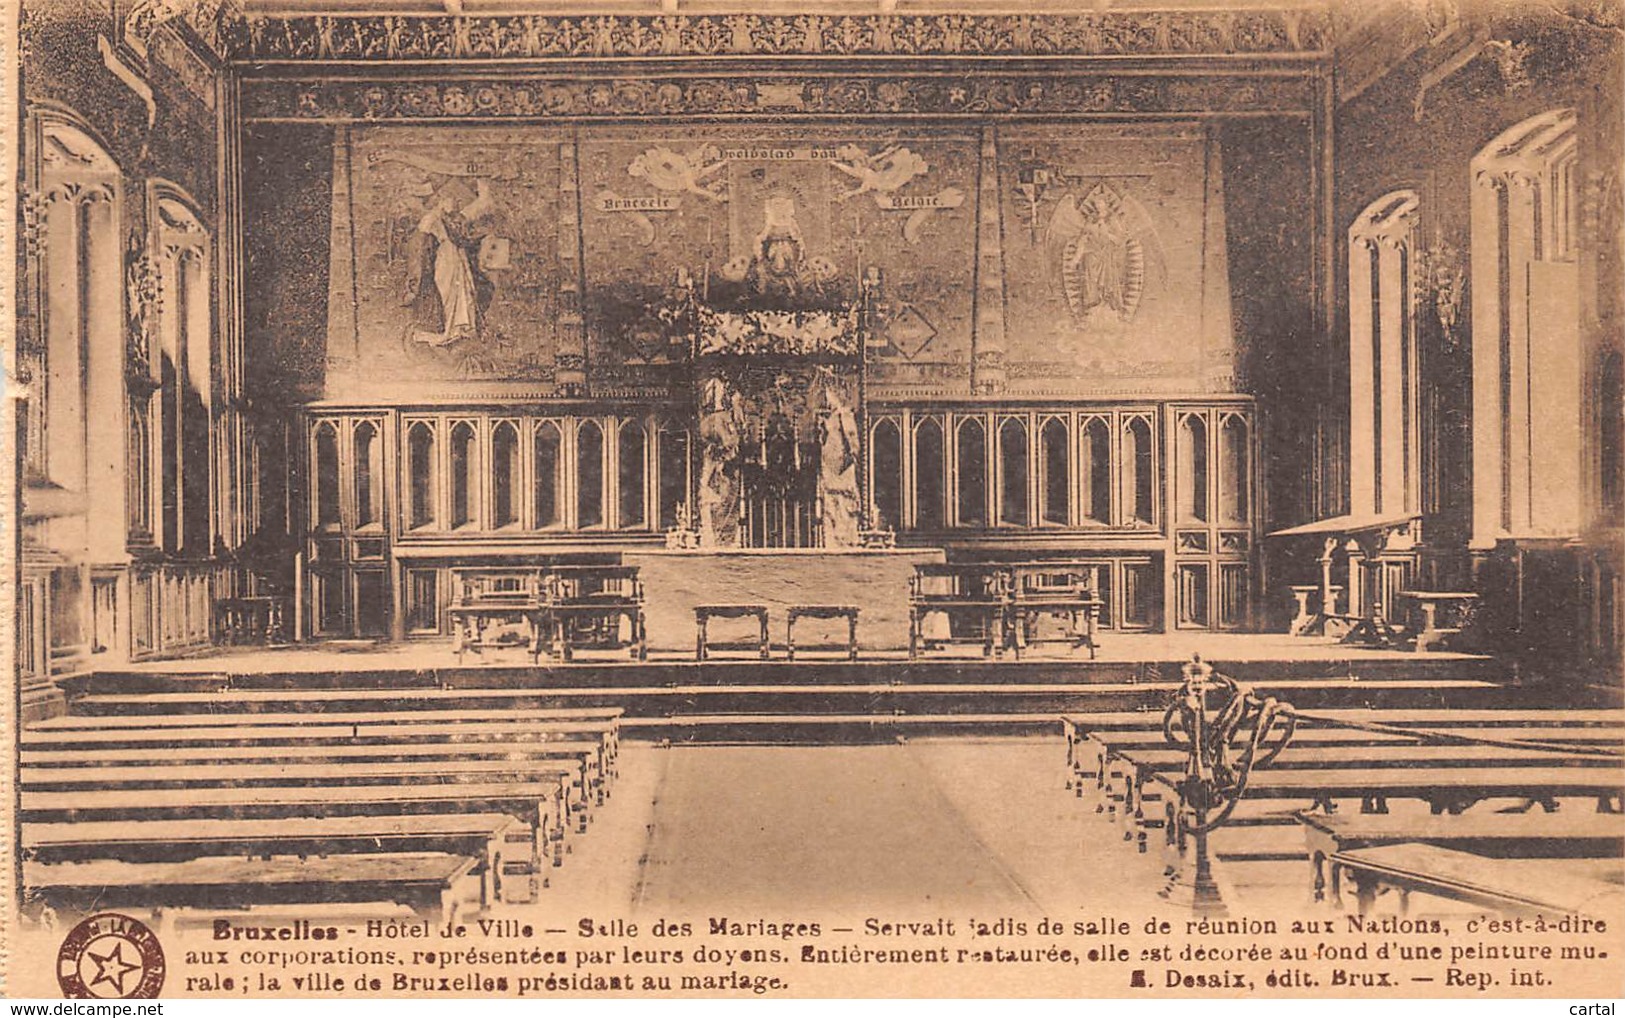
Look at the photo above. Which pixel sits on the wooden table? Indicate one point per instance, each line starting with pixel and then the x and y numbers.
pixel 1516 886
pixel 1082 611
pixel 260 620
pixel 849 612
pixel 979 594
pixel 1430 602
pixel 581 596
pixel 704 613
pixel 1059 589
pixel 471 621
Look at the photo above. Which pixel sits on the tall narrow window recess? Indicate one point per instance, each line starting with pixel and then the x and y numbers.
pixel 74 345
pixel 1095 470
pixel 631 447
pixel 368 468
pixel 1384 388
pixel 1192 481
pixel 1235 470
pixel 325 465
pixel 972 473
pixel 1013 473
pixel 421 474
pixel 589 475
pixel 462 474
pixel 1139 473
pixel 887 480
pixel 1527 362
pixel 505 475
pixel 547 497
pixel 930 465
pixel 1054 479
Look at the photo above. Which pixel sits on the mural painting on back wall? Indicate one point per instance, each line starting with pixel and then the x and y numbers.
pixel 447 241
pixel 1115 275
pixel 777 218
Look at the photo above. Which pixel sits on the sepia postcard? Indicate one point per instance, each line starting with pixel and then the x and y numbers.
pixel 859 498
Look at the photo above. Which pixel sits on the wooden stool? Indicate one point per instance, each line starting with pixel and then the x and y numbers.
pixel 849 612
pixel 703 614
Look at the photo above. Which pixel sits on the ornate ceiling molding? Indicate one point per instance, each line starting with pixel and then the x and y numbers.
pixel 369 39
pixel 575 97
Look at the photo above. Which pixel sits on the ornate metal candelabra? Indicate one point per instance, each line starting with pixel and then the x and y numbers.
pixel 1226 730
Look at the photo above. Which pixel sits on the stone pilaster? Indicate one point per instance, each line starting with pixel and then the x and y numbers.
pixel 988 347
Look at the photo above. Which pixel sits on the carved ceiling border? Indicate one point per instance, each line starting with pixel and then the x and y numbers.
pixel 1301 32
pixel 857 94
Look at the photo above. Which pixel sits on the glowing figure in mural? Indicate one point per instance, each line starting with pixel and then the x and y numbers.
pixel 1099 245
pixel 837 470
pixel 444 285
pixel 721 418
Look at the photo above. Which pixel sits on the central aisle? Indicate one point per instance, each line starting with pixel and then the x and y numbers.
pixel 965 824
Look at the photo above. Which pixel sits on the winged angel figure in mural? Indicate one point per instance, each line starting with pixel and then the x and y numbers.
pixel 682 172
pixel 881 173
pixel 1100 248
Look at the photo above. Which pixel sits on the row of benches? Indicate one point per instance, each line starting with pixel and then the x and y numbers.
pixel 1448 761
pixel 409 804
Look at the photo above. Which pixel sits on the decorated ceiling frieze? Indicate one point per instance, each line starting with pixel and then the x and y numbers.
pixel 379 38
pixel 922 94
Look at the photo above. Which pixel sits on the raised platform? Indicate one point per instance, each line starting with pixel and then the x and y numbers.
pixel 822 699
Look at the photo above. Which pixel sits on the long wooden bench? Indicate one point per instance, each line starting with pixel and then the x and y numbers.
pixel 504 843
pixel 1138 773
pixel 328 735
pixel 587 755
pixel 541 805
pixel 1127 730
pixel 1498 835
pixel 1517 886
pixel 432 884
pixel 604 724
pixel 94 722
pixel 567 777
pixel 1126 775
pixel 248 701
pixel 1445 789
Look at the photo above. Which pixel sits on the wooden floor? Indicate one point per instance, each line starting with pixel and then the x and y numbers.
pixel 955 826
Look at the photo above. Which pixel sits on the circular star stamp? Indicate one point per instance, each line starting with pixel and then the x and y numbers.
pixel 110 956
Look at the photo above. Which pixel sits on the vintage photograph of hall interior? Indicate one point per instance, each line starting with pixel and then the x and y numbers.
pixel 836 426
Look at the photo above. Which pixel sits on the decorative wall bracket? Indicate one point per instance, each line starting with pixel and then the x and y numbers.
pixel 1441 279
pixel 144 304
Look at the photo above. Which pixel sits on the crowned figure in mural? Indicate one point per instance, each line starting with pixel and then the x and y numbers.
pixel 445 287
pixel 837 469
pixel 721 422
pixel 779 266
